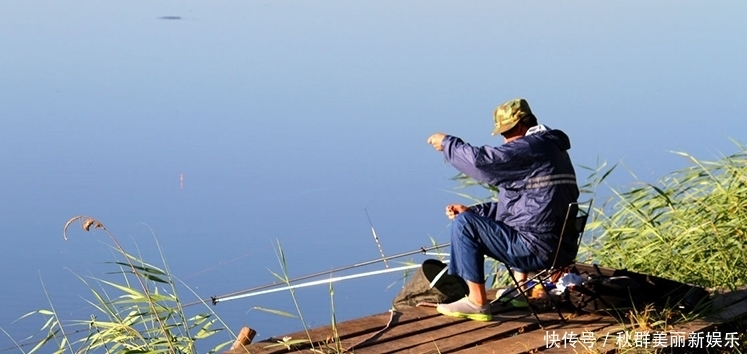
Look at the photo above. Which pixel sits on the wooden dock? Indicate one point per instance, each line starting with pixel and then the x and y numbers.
pixel 423 330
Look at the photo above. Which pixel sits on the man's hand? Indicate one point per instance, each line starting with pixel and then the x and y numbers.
pixel 452 210
pixel 435 140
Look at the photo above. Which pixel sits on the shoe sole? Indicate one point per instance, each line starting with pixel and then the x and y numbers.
pixel 472 316
pixel 519 304
pixel 506 296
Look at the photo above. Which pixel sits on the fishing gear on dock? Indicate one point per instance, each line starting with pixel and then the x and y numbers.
pixel 253 291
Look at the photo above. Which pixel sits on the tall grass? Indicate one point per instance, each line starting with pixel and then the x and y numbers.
pixel 690 226
pixel 139 313
pixel 142 312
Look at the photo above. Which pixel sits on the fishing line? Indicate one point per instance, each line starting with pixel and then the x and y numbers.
pixel 234 259
pixel 36 342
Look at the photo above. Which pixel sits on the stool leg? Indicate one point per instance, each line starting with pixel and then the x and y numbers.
pixel 526 298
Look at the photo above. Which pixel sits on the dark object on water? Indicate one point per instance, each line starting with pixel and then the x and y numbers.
pixel 170 18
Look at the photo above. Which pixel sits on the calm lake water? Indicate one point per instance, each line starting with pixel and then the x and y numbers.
pixel 288 121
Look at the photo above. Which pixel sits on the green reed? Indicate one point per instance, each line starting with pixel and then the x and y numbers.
pixel 139 313
pixel 690 226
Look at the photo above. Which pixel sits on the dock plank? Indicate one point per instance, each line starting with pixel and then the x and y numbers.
pixel 353 331
pixel 349 329
pixel 456 328
pixel 422 330
pixel 538 340
pixel 726 308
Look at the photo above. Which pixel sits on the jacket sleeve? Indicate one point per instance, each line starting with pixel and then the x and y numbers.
pixel 488 210
pixel 485 164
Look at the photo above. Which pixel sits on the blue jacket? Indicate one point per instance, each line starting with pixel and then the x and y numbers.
pixel 536 180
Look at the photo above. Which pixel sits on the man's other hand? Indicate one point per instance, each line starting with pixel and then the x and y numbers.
pixel 435 140
pixel 452 210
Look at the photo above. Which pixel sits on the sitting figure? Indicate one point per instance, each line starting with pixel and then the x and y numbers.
pixel 536 180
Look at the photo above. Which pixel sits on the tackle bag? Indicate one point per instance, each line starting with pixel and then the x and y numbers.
pixel 618 290
pixel 607 294
pixel 430 284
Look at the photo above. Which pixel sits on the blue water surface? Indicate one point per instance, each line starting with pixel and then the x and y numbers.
pixel 227 130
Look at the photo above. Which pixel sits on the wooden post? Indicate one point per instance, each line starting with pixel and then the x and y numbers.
pixel 246 335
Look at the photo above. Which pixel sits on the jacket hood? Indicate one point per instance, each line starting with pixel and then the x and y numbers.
pixel 556 136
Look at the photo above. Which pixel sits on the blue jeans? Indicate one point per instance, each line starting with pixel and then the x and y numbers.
pixel 474 236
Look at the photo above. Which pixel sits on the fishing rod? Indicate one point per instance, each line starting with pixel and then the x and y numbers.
pixel 216 299
pixel 376 238
pixel 323 281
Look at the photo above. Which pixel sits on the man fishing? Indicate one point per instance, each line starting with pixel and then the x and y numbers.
pixel 536 181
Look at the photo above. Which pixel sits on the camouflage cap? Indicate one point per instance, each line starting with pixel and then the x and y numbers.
pixel 508 114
